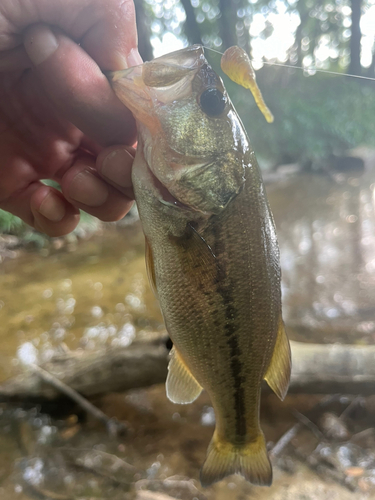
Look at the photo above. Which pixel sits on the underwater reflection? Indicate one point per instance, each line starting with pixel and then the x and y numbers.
pixel 326 230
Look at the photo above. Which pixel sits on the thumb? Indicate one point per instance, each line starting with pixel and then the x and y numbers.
pixel 77 87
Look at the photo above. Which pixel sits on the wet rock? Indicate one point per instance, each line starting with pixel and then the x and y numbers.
pixel 101 463
pixel 346 464
pixel 355 471
pixel 346 164
pixel 9 242
pixel 333 427
pixel 364 439
pixel 173 487
pixel 57 243
pixel 208 416
pixel 287 464
pixel 151 495
pixel 9 246
pixel 312 489
pixel 288 169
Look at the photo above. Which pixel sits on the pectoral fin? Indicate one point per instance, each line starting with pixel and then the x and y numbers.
pixel 181 386
pixel 150 267
pixel 278 373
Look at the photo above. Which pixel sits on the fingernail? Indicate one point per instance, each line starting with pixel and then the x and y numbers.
pixel 116 167
pixel 134 58
pixel 87 189
pixel 52 208
pixel 40 43
pixel 119 61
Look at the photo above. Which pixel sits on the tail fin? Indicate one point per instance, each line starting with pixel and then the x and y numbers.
pixel 250 460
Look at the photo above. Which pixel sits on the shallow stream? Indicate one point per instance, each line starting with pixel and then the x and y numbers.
pixel 95 293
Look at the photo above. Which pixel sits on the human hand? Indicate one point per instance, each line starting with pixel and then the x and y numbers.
pixel 59 118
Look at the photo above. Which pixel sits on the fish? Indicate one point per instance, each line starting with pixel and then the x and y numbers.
pixel 211 252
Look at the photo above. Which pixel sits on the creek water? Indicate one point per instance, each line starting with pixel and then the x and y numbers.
pixel 97 294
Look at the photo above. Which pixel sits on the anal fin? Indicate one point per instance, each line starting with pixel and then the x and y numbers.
pixel 278 372
pixel 181 386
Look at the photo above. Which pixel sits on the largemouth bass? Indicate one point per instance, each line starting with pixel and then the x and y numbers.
pixel 211 252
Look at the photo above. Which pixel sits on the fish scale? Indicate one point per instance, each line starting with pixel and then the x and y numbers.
pixel 212 253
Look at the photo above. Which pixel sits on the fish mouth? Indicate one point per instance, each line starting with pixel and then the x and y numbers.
pixel 157 82
pixel 144 87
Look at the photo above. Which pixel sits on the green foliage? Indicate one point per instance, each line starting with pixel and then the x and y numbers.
pixel 10 223
pixel 54 184
pixel 315 116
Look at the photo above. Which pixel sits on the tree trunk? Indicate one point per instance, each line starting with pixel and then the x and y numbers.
pixel 303 12
pixel 191 27
pixel 371 70
pixel 144 32
pixel 355 67
pixel 228 21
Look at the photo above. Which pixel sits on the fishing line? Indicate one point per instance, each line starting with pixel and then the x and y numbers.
pixel 307 70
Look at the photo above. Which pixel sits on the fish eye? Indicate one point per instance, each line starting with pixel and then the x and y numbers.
pixel 213 102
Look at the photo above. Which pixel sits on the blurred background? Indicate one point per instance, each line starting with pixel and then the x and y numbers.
pixel 70 303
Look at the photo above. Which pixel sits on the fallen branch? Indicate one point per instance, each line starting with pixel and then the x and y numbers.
pixel 91 374
pixel 332 368
pixel 317 369
pixel 113 426
pixel 285 440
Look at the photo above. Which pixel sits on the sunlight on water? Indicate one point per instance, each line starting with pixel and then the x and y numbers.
pixel 93 297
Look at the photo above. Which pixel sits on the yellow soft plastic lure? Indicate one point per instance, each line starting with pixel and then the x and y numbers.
pixel 237 65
